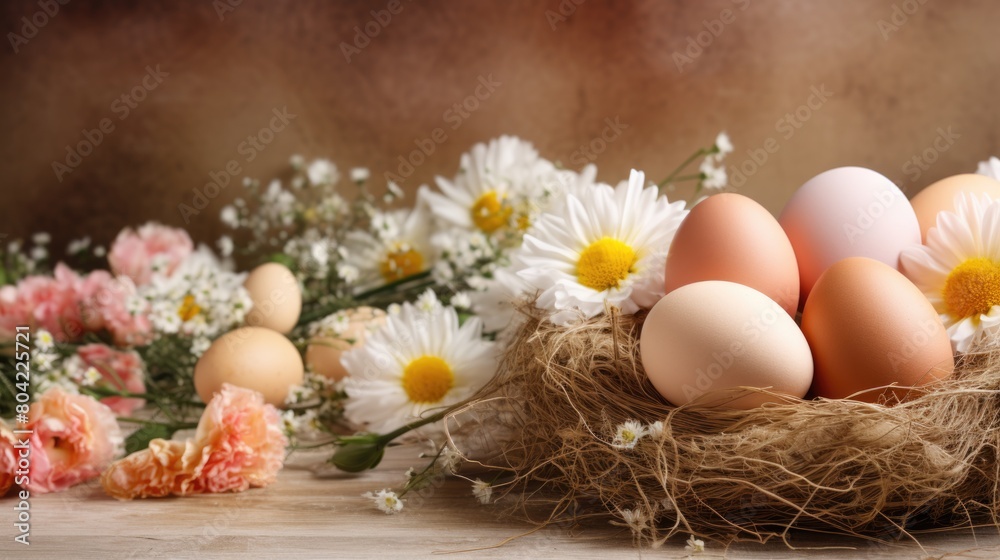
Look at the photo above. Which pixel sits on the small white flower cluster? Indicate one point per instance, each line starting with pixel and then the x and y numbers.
pixel 200 300
pixel 713 173
pixel 336 243
pixel 313 408
pixel 19 260
pixel 49 368
pixel 628 433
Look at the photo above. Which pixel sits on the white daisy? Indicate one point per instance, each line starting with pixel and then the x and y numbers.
pixel 958 269
pixel 400 246
pixel 482 195
pixel 418 360
pixel 990 168
pixel 605 247
pixel 628 434
pixel 385 500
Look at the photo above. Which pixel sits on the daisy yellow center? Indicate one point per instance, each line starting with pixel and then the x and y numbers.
pixel 489 213
pixel 972 288
pixel 189 309
pixel 427 379
pixel 605 263
pixel 401 263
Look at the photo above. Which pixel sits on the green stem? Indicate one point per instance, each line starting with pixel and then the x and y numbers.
pixel 175 427
pixel 325 310
pixel 385 439
pixel 673 175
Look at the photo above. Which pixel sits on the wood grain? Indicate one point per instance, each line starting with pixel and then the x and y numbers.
pixel 306 516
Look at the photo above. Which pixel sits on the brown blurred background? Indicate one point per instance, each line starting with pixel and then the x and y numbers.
pixel 904 79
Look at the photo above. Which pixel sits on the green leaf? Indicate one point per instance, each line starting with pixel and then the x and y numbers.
pixel 140 439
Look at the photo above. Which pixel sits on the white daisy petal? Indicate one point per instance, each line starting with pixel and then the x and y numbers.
pixel 964 243
pixel 421 359
pixel 604 246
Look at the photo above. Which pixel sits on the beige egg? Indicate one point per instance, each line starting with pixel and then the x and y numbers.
pixel 250 357
pixel 702 340
pixel 324 351
pixel 277 298
pixel 940 196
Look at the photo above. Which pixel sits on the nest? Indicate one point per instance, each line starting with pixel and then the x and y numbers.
pixel 834 466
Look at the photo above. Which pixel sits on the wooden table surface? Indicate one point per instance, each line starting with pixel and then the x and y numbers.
pixel 305 516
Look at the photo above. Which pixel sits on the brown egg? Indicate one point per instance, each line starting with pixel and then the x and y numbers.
pixel 277 298
pixel 940 196
pixel 324 352
pixel 250 357
pixel 869 327
pixel 730 237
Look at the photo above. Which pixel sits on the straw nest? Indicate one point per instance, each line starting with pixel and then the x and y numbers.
pixel 833 466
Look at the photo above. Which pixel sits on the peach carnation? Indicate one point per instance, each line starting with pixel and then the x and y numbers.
pixel 75 438
pixel 239 444
pixel 151 249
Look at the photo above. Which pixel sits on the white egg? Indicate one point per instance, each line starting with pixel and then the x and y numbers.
pixel 705 338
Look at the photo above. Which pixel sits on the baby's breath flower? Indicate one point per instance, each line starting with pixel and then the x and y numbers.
pixel 385 500
pixel 322 172
pixel 230 216
pixel 461 300
pixel 90 377
pixel 483 491
pixel 78 245
pixel 638 519
pixel 655 430
pixel 428 301
pixel 360 174
pixel 628 434
pixel 44 340
pixel 450 459
pixel 348 273
pixel 713 175
pixel 695 545
pixel 722 144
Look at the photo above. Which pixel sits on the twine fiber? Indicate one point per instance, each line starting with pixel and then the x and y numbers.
pixel 833 466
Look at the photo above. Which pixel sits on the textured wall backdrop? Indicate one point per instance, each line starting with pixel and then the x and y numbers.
pixel 868 82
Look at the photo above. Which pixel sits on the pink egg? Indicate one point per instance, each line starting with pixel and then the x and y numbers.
pixel 847 212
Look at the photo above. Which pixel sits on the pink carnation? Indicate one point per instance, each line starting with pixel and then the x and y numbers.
pixel 75 438
pixel 239 444
pixel 48 302
pixel 152 248
pixel 69 306
pixel 120 370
